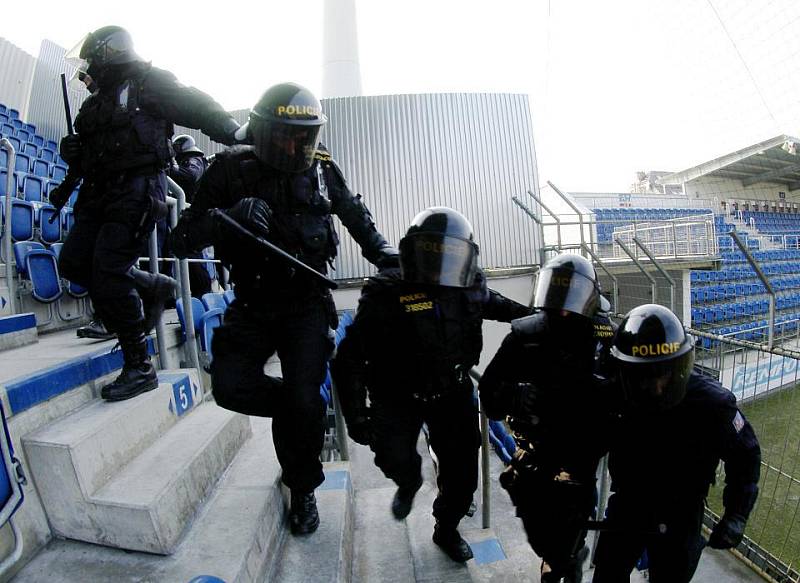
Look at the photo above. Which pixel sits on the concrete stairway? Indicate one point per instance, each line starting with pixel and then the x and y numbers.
pixel 132 474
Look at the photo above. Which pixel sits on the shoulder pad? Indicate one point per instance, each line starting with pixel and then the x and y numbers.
pixel 530 328
pixel 381 281
pixel 323 154
pixel 707 392
pixel 237 152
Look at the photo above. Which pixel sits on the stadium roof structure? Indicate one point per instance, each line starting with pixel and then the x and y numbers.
pixel 776 160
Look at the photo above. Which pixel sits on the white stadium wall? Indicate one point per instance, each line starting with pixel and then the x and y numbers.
pixel 468 151
pixel 16 72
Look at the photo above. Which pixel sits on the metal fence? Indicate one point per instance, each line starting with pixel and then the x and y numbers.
pixel 765 383
pixel 690 236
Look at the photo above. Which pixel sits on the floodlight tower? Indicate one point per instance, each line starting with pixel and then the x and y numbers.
pixel 341 73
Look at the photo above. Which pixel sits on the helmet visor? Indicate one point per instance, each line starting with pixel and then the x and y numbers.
pixel 437 259
pixel 560 289
pixel 73 56
pixel 656 386
pixel 287 147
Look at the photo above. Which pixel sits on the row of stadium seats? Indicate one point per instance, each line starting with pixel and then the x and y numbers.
pixel 756 331
pixel 26 164
pixel 31 221
pixel 37 268
pixel 30 187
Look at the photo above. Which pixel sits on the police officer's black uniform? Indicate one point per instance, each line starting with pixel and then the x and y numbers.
pixel 121 151
pixel 286 190
pixel 542 378
pixel 665 453
pixel 188 169
pixel 416 334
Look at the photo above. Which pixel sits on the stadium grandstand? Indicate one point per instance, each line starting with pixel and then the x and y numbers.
pixel 167 486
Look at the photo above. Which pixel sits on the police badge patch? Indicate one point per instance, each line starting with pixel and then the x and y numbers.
pixel 738 422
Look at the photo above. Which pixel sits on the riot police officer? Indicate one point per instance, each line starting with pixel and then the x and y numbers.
pixel 120 151
pixel 187 169
pixel 189 166
pixel 542 379
pixel 676 427
pixel 285 189
pixel 417 333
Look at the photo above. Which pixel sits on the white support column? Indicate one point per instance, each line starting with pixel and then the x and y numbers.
pixel 341 72
pixel 686 284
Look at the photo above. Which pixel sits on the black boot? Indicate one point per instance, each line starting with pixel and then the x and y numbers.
pixel 303 515
pixel 96 330
pixel 403 499
pixel 448 539
pixel 154 289
pixel 138 374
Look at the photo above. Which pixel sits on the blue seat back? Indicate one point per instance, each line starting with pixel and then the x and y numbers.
pixel 198 309
pixel 47 154
pixel 229 296
pixel 214 300
pixel 42 268
pixel 4 183
pixel 41 168
pixel 209 321
pixel 58 173
pixel 21 250
pixel 49 232
pixel 33 188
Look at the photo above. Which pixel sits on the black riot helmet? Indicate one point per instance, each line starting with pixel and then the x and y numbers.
pixel 655 357
pixel 185 146
pixel 285 125
pixel 438 249
pixel 106 47
pixel 567 282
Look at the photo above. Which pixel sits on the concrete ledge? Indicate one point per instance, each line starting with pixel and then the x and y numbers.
pixel 17 330
pixel 29 390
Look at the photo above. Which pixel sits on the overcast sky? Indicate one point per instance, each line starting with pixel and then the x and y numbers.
pixel 615 86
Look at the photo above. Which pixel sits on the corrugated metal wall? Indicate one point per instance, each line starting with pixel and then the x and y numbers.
pixel 16 72
pixel 468 151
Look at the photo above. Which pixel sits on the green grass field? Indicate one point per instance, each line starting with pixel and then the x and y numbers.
pixel 775 522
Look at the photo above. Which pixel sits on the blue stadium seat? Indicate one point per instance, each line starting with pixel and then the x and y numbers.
pixel 214 301
pixel 22 215
pixel 13 113
pixel 3 158
pixel 58 172
pixel 73 289
pixel 51 145
pixel 209 321
pixel 47 154
pixel 4 183
pixel 21 249
pixel 229 296
pixel 30 150
pixel 198 309
pixel 33 188
pixel 42 268
pixel 49 233
pixel 38 140
pixel 41 168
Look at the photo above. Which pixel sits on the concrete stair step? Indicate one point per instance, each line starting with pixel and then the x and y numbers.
pixel 149 503
pixel 236 535
pixel 327 555
pixel 99 438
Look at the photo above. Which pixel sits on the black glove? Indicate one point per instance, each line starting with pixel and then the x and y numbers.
pixel 70 149
pixel 524 400
pixel 359 428
pixel 60 195
pixel 253 214
pixel 728 532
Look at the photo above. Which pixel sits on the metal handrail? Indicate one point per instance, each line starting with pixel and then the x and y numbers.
pixel 538 200
pixel 661 270
pixel 486 483
pixel 767 284
pixel 6 144
pixel 186 293
pixel 641 268
pixel 572 205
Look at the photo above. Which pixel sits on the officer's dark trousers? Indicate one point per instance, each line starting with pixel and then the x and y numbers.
pixel 452 422
pixel 672 556
pixel 298 330
pixel 108 236
pixel 553 514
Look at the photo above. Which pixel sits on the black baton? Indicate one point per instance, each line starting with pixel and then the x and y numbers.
pixel 273 249
pixel 67 112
